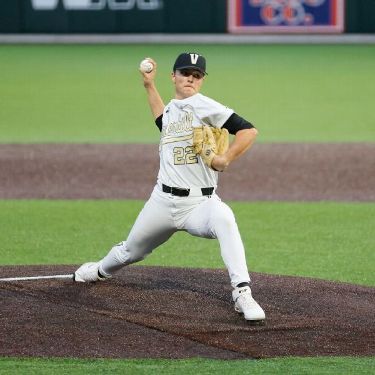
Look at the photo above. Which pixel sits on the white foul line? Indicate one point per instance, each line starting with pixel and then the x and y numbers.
pixel 70 276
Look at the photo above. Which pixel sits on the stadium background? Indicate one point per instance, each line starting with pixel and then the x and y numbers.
pixel 177 16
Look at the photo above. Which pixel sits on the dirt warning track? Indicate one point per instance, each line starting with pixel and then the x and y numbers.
pixel 270 172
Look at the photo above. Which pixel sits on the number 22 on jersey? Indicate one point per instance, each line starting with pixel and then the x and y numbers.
pixel 184 156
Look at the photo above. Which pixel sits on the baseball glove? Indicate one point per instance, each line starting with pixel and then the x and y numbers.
pixel 222 140
pixel 208 142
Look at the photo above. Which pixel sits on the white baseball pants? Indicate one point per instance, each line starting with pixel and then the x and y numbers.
pixel 165 214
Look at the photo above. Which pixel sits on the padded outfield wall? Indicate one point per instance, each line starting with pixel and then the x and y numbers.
pixel 155 16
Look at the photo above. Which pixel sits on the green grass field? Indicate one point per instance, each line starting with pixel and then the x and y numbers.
pixel 93 94
pixel 279 366
pixel 324 240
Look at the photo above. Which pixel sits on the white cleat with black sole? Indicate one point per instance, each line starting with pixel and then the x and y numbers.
pixel 245 304
pixel 88 273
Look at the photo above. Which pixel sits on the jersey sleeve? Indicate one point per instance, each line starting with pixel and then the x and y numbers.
pixel 236 123
pixel 211 112
pixel 159 122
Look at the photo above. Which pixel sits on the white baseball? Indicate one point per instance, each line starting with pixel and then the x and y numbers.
pixel 146 66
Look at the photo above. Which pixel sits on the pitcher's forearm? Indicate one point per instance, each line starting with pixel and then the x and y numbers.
pixel 154 100
pixel 243 140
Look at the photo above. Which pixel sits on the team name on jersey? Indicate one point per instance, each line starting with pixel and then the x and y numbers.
pixel 182 125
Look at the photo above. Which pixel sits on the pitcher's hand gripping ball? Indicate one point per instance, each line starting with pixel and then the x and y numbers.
pixel 146 66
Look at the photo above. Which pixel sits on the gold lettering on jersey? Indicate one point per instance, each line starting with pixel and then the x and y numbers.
pixel 172 139
pixel 182 125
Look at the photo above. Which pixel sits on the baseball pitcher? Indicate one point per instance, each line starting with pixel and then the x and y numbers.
pixel 194 148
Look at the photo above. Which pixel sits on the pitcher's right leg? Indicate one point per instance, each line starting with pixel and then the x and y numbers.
pixel 152 227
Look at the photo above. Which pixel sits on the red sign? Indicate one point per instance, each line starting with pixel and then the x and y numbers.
pixel 285 16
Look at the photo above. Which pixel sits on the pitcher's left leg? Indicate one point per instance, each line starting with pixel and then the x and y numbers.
pixel 233 252
pixel 214 219
pixel 223 225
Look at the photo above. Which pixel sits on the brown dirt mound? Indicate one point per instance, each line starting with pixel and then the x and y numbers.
pixel 291 172
pixel 157 312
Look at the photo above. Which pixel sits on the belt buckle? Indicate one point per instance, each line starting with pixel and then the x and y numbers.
pixel 180 192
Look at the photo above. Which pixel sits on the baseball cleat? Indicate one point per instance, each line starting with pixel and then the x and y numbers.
pixel 245 304
pixel 88 272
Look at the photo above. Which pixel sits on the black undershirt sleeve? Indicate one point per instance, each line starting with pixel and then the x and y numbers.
pixel 159 122
pixel 236 123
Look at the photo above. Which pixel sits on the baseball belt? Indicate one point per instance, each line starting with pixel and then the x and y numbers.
pixel 185 192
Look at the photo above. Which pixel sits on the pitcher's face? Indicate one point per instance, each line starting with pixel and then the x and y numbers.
pixel 187 82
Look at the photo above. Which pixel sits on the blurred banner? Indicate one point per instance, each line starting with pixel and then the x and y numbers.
pixel 112 16
pixel 285 16
pixel 97 4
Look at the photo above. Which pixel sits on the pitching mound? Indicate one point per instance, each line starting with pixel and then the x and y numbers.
pixel 157 312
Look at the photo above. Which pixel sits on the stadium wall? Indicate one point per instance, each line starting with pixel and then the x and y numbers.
pixel 142 16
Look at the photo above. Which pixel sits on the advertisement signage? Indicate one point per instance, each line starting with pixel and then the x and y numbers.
pixel 285 16
pixel 97 4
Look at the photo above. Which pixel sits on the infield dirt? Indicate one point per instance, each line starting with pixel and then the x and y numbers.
pixel 159 312
pixel 276 172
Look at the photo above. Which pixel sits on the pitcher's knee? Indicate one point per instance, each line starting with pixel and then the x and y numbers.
pixel 224 219
pixel 126 254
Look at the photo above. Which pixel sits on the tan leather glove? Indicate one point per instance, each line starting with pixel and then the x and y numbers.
pixel 222 140
pixel 198 140
pixel 204 144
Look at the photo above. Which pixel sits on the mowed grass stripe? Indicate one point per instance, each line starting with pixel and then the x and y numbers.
pixel 94 94
pixel 331 241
